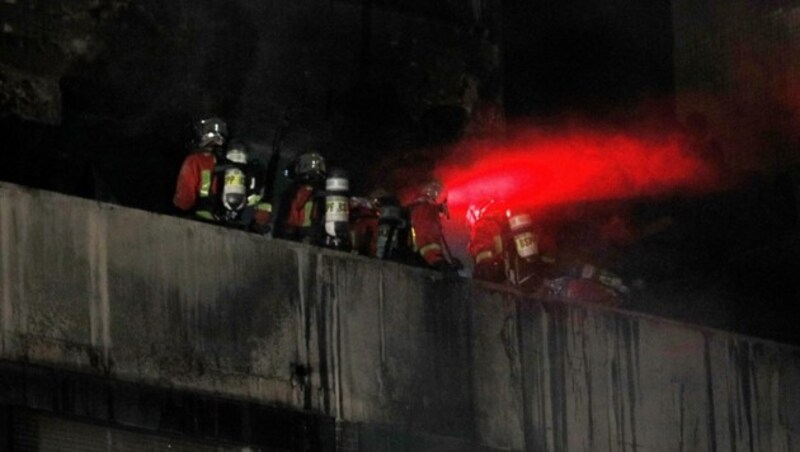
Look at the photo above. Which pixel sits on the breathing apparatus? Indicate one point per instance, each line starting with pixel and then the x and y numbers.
pixel 337 210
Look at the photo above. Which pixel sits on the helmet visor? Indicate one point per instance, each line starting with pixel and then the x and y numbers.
pixel 236 155
pixel 212 130
pixel 311 163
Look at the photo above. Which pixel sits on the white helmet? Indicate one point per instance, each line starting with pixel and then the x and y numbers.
pixel 236 152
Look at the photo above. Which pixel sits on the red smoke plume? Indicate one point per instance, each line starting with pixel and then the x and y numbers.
pixel 544 170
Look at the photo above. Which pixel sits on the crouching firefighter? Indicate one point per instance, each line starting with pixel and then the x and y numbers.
pixel 529 253
pixel 588 284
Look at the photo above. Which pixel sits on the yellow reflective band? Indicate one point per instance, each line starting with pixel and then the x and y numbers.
pixel 498 244
pixel 235 178
pixel 483 255
pixel 205 183
pixel 309 208
pixel 204 214
pixel 264 206
pixel 431 246
pixel 253 199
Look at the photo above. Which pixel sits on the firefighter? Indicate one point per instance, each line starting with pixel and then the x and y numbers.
pixel 302 206
pixel 526 266
pixel 507 243
pixel 394 229
pixel 364 215
pixel 487 233
pixel 587 283
pixel 337 233
pixel 574 276
pixel 196 189
pixel 425 213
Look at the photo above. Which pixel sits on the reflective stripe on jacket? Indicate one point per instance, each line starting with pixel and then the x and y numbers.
pixel 195 183
pixel 426 231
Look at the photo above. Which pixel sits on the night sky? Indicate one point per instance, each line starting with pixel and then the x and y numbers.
pixel 588 57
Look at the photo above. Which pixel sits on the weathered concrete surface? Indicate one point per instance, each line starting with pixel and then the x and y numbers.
pixel 603 381
pixel 97 287
pixel 411 360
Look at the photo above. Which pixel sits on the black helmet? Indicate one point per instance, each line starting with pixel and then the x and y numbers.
pixel 433 191
pixel 309 165
pixel 212 130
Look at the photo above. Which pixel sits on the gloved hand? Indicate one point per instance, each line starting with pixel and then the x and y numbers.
pixel 446 267
pixel 489 271
pixel 262 229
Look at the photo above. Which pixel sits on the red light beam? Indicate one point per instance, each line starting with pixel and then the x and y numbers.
pixel 542 171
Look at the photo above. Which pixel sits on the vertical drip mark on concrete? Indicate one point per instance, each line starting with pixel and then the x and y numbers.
pixel 712 415
pixel 587 370
pixel 557 354
pixel 5 277
pixel 301 301
pixel 98 268
pixel 321 308
pixel 682 413
pixel 637 353
pixel 302 319
pixel 21 228
pixel 467 297
pixel 611 408
pixel 531 442
pixel 756 354
pixel 336 342
pixel 734 395
pixel 616 387
pixel 744 364
pixel 775 401
pixel 631 340
pixel 105 302
pixel 382 315
pixel 186 285
pixel 90 252
pixel 544 376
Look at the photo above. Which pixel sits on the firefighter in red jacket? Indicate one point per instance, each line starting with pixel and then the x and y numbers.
pixel 428 241
pixel 217 183
pixel 196 187
pixel 302 206
pixel 487 232
pixel 364 215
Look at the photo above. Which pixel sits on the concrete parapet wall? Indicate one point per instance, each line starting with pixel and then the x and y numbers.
pixel 148 297
pixel 165 301
pixel 607 381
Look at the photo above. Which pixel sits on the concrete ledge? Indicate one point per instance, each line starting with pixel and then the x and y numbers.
pixel 170 303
